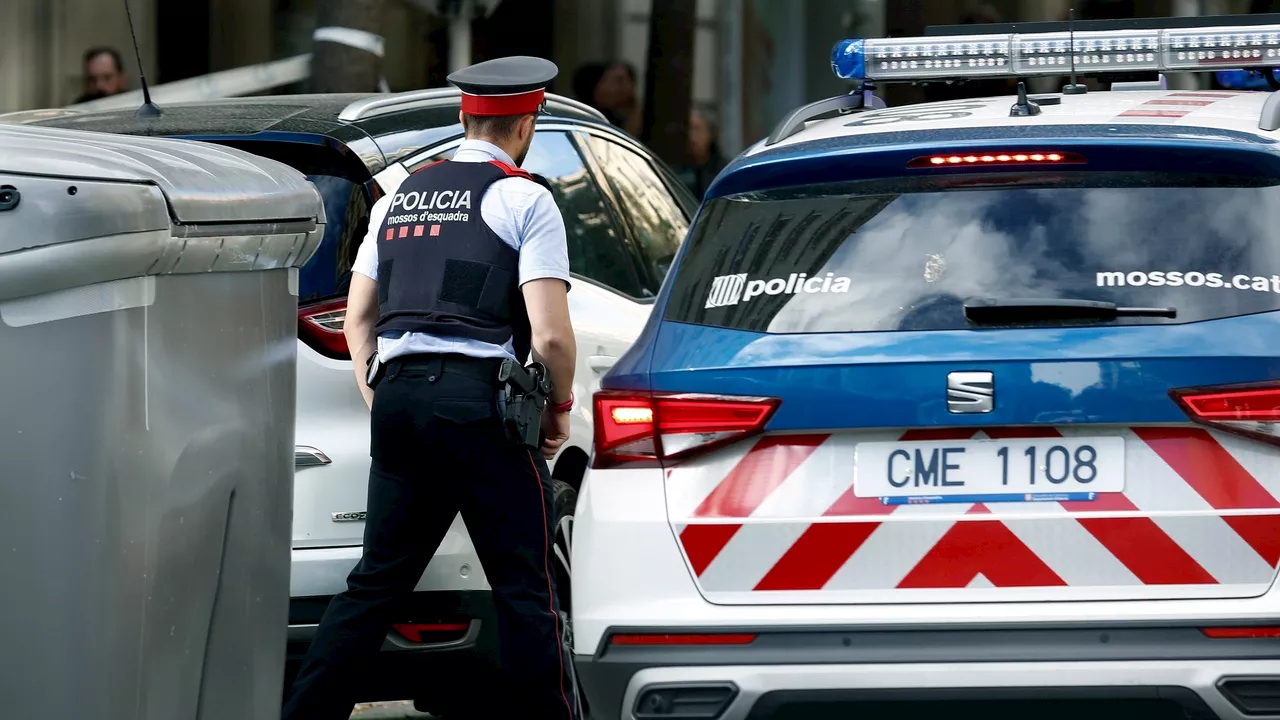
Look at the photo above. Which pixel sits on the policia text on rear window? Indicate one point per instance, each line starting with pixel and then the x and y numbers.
pixel 900 255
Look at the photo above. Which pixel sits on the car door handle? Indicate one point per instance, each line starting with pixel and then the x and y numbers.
pixel 601 363
pixel 304 456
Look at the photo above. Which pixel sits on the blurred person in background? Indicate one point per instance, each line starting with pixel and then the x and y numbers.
pixel 611 89
pixel 705 158
pixel 104 74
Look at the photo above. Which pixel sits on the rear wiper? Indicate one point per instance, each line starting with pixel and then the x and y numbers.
pixel 1013 310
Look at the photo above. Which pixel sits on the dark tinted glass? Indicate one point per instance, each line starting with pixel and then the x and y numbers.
pixel 346 208
pixel 596 249
pixel 659 222
pixel 897 256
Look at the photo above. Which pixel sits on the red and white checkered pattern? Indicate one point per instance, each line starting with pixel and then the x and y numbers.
pixel 1199 517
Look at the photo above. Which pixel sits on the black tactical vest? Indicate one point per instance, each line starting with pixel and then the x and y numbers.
pixel 441 269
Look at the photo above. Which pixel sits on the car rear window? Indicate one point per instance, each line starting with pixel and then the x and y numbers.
pixel 907 254
pixel 328 272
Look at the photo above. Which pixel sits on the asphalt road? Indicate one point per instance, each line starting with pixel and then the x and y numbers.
pixel 387 711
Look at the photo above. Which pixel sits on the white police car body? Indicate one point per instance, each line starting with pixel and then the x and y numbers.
pixel 954 403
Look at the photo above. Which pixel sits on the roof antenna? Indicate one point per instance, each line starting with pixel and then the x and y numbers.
pixel 1025 107
pixel 1074 88
pixel 148 109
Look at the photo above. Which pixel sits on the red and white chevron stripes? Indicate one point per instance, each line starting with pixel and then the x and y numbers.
pixel 1199 518
pixel 1175 105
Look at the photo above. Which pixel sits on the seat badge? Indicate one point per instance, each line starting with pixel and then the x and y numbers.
pixel 971 392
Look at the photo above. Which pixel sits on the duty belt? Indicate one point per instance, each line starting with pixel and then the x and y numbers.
pixel 484 370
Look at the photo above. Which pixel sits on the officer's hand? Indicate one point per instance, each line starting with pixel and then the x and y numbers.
pixel 555 431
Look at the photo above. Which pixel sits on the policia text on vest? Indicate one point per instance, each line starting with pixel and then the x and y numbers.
pixel 461 280
pixel 453 278
pixel 439 207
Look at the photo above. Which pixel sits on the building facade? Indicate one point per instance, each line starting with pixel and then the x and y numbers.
pixel 754 59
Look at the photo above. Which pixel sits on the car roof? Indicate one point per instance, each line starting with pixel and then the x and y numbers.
pixel 1160 113
pixel 379 128
pixel 1148 117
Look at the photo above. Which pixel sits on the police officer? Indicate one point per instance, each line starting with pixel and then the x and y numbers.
pixel 465 264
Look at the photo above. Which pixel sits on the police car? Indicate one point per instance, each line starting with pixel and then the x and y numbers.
pixel 968 402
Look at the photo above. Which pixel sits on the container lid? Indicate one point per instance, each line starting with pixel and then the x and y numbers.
pixel 202 182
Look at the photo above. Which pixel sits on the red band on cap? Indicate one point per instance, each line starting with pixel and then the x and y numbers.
pixel 518 104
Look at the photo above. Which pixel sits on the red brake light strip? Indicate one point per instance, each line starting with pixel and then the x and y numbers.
pixel 683 639
pixel 1018 157
pixel 1236 633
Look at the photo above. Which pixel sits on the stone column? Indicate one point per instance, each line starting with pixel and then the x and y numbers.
pixel 241 33
pixel 26 75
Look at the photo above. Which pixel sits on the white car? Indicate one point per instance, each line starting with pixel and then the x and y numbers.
pixel 626 216
pixel 963 409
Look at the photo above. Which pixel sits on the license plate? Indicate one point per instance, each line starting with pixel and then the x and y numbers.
pixel 970 471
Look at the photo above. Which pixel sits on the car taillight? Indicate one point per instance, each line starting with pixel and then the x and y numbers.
pixel 670 639
pixel 431 632
pixel 1251 410
pixel 1240 633
pixel 320 327
pixel 644 429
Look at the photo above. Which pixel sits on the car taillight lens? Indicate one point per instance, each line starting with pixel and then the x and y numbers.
pixel 638 428
pixel 1016 157
pixel 1251 410
pixel 320 327
pixel 431 632
pixel 670 639
pixel 1240 633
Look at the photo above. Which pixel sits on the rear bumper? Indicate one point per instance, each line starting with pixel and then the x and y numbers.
pixel 435 673
pixel 1145 671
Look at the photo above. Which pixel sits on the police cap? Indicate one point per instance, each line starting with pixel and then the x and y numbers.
pixel 505 86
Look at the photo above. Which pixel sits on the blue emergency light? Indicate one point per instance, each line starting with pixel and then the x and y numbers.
pixel 962 57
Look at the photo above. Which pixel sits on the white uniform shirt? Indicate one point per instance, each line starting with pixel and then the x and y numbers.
pixel 520 212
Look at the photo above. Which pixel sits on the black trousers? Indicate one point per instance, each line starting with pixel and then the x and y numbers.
pixel 438 449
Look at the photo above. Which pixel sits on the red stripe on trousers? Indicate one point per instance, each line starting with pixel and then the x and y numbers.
pixel 551 595
pixel 823 548
pixel 1222 481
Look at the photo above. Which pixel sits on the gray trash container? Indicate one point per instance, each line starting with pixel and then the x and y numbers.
pixel 148 319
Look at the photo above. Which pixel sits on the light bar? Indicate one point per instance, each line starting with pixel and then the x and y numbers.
pixel 1026 55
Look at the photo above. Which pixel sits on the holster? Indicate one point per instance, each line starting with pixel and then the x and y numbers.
pixel 522 396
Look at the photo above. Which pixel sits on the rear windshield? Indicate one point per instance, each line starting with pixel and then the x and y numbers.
pixel 905 255
pixel 328 273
